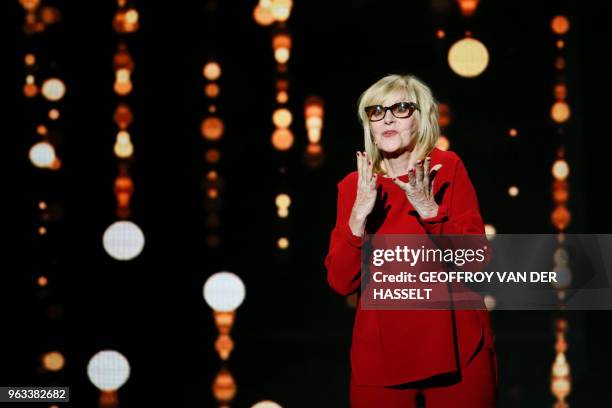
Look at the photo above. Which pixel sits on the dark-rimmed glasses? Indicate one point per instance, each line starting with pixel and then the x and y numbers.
pixel 400 110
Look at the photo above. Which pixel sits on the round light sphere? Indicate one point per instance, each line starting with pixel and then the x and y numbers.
pixel 53 89
pixel 42 154
pixel 560 169
pixel 224 291
pixel 212 70
pixel 123 240
pixel 108 370
pixel 468 57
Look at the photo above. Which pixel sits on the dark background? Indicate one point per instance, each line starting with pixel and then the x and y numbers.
pixel 292 332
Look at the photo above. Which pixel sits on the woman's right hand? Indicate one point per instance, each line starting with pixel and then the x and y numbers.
pixel 366 194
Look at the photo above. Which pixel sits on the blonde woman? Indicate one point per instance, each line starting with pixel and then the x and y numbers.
pixel 446 356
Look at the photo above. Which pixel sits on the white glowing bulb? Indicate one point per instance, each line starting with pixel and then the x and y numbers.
pixel 560 169
pixel 122 75
pixel 281 55
pixel 490 231
pixel 42 154
pixel 53 89
pixel 123 146
pixel 224 291
pixel 123 240
pixel 108 370
pixel 314 125
pixel 283 200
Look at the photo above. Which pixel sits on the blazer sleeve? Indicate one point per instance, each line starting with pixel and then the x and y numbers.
pixel 459 211
pixel 343 261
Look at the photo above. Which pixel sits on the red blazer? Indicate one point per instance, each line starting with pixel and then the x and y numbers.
pixel 391 347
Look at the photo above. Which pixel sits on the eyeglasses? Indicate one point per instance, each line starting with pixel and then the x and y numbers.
pixel 400 110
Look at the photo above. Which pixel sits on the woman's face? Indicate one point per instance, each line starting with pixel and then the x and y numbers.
pixel 393 134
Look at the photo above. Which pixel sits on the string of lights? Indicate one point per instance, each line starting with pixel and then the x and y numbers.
pixel 560 381
pixel 45 102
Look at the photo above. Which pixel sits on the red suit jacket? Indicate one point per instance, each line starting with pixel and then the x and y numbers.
pixel 391 347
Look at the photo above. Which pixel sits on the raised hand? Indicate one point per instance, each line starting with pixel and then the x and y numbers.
pixel 366 194
pixel 419 188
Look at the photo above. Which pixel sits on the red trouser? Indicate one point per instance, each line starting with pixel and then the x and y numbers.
pixel 474 387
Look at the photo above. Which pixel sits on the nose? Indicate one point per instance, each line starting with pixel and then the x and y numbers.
pixel 388 118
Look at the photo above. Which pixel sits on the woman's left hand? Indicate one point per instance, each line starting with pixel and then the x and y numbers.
pixel 419 188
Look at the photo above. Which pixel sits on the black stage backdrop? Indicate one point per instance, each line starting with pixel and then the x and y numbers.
pixel 292 333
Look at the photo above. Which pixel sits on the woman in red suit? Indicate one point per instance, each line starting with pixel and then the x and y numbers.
pixel 446 356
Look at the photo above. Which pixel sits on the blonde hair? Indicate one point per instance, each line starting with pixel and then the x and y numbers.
pixel 415 91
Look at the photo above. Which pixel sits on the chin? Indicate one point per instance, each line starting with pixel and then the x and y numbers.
pixel 390 146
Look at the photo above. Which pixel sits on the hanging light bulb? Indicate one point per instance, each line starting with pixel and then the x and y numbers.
pixel 560 217
pixel 313 111
pixel 123 146
pixel 560 112
pixel 468 7
pixel 124 188
pixel 123 58
pixel 224 386
pixel 224 291
pixel 224 345
pixel 282 139
pixel 30 89
pixel 212 70
pixel 108 370
pixel 53 89
pixel 560 25
pixel 123 116
pixel 42 155
pixel 211 90
pixel 283 243
pixel 281 44
pixel 283 201
pixel 468 57
pixel 281 9
pixel 53 361
pixel 212 128
pixel 123 83
pixel 490 231
pixel 282 118
pixel 29 59
pixel 263 15
pixel 560 169
pixel 123 240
